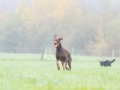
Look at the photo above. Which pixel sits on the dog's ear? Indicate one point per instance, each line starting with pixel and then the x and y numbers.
pixel 55 37
pixel 60 39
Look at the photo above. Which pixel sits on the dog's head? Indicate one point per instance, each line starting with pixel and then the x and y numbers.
pixel 100 63
pixel 57 41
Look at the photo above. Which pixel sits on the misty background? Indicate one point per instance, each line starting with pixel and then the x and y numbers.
pixel 85 25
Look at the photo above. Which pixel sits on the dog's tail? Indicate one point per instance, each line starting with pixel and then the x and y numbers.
pixel 112 60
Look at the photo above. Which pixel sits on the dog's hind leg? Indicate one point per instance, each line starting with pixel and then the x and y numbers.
pixel 69 61
pixel 69 64
pixel 63 65
pixel 110 65
pixel 66 65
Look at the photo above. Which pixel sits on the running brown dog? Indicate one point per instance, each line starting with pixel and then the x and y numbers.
pixel 62 54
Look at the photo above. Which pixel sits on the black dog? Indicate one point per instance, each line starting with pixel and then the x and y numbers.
pixel 62 54
pixel 106 62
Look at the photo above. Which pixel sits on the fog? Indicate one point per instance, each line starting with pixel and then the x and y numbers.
pixel 28 25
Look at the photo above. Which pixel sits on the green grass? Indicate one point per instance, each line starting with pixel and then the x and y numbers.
pixel 28 72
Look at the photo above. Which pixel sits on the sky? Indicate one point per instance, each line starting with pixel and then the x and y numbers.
pixel 11 5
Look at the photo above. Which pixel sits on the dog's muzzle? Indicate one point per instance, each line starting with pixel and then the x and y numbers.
pixel 55 44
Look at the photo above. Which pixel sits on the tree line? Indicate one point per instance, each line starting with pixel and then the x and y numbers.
pixel 82 26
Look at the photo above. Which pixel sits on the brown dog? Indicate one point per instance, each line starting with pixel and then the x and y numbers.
pixel 62 54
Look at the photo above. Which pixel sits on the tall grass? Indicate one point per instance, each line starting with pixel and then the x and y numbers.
pixel 28 72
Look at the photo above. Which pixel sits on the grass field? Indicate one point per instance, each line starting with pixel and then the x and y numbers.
pixel 28 72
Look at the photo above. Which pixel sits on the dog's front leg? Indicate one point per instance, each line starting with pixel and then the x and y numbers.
pixel 57 63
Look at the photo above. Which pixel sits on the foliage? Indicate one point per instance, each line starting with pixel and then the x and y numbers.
pixel 81 25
